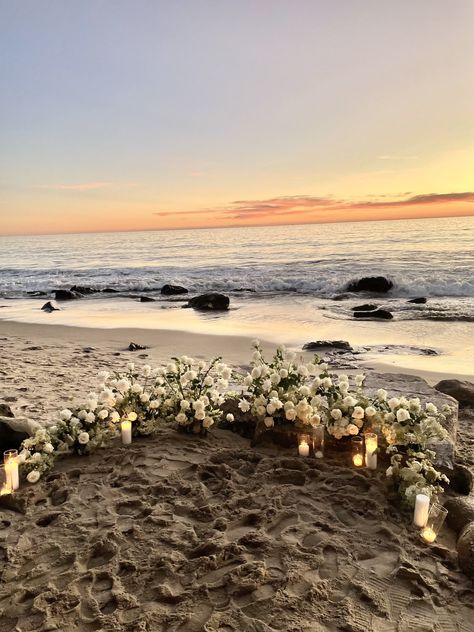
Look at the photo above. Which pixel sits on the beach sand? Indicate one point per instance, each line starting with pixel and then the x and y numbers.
pixel 184 533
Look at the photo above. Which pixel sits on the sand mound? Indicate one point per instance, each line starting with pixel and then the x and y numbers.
pixel 180 533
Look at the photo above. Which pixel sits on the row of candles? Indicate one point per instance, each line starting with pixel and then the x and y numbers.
pixel 364 452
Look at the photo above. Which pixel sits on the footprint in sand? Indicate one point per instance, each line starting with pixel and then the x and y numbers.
pixel 101 554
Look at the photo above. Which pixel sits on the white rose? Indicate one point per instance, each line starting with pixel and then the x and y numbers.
pixel 226 374
pixel 403 415
pixel 255 343
pixel 48 448
pixel 33 476
pixel 261 410
pixel 268 421
pixel 144 397
pixel 229 417
pixel 248 380
pixel 304 391
pixel 154 404
pixel 323 366
pixel 349 401
pixel 65 414
pixel 114 416
pixel 132 416
pixel 431 408
pixel 358 412
pixel 130 366
pixel 290 414
pixel 256 372
pixel 244 405
pixel 393 402
pixel 37 457
pixel 389 471
pixel 184 404
pixel 303 370
pixel 146 370
pixel 123 385
pixel 336 413
pixel 370 411
pixel 352 429
pixel 181 418
pixel 103 375
pixel 90 418
pixel 359 379
pixel 207 422
pixel 381 394
pixel 315 420
pixel 103 414
pixel 83 438
pixel 326 382
pixel 283 373
pixel 200 414
pixel 136 388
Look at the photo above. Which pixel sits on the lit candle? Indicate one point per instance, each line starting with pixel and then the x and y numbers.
pixel 12 476
pixel 303 449
pixel 422 506
pixel 5 482
pixel 428 535
pixel 358 460
pixel 371 450
pixel 126 427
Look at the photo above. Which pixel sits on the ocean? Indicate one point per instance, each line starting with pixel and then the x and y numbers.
pixel 285 283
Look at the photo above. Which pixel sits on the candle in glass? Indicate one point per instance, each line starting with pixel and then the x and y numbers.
pixel 422 506
pixel 10 458
pixel 371 450
pixel 357 451
pixel 434 522
pixel 303 448
pixel 126 427
pixel 318 442
pixel 5 482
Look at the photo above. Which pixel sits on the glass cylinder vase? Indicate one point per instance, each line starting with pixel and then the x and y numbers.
pixel 357 445
pixel 436 517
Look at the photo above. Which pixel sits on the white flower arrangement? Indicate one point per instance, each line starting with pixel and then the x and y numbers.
pixel 281 391
pixel 415 474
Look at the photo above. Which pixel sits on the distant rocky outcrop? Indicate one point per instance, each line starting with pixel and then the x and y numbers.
pixel 324 344
pixel 381 314
pixel 83 289
pixel 367 307
pixel 170 290
pixel 210 301
pixel 49 307
pixel 66 295
pixel 379 285
pixel 461 390
pixel 109 290
pixel 421 300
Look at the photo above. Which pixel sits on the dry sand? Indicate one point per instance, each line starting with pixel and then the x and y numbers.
pixel 183 533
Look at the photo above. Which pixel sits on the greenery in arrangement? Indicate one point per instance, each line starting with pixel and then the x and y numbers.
pixel 190 394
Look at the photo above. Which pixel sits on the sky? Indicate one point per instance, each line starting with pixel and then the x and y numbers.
pixel 155 114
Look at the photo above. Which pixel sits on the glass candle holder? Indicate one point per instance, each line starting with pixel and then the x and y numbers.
pixel 371 450
pixel 318 442
pixel 5 482
pixel 357 444
pixel 436 517
pixel 305 445
pixel 10 459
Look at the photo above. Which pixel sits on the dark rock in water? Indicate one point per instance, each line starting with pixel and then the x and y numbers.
pixel 66 295
pixel 88 349
pixel 460 390
pixel 465 548
pixel 421 300
pixel 243 289
pixel 367 307
pixel 49 307
pixel 321 344
pixel 6 411
pixel 83 289
pixel 340 297
pixel 211 301
pixel 169 290
pixel 109 290
pixel 383 314
pixel 460 512
pixel 36 293
pixel 133 346
pixel 146 299
pixel 379 284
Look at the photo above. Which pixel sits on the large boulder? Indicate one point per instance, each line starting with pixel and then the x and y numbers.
pixel 399 384
pixel 66 295
pixel 461 390
pixel 367 307
pixel 465 548
pixel 15 430
pixel 170 290
pixel 460 512
pixel 211 301
pixel 378 284
pixel 380 314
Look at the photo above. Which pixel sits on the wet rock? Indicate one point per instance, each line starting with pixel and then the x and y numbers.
pixel 83 289
pixel 109 290
pixel 465 548
pixel 340 297
pixel 460 512
pixel 6 411
pixel 243 289
pixel 146 299
pixel 169 290
pixel 461 390
pixel 36 293
pixel 211 301
pixel 382 314
pixel 133 346
pixel 66 295
pixel 367 307
pixel 461 480
pixel 13 431
pixel 421 300
pixel 378 284
pixel 324 344
pixel 49 307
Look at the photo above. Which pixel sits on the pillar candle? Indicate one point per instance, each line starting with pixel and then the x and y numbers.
pixel 422 506
pixel 303 449
pixel 126 427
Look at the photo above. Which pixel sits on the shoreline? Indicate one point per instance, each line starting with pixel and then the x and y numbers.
pixel 162 344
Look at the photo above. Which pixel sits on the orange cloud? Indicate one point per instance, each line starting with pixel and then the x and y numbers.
pixel 79 186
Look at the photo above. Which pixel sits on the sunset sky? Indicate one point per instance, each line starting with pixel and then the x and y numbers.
pixel 142 114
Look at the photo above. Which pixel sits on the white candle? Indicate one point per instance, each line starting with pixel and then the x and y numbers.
pixel 11 474
pixel 371 460
pixel 422 506
pixel 126 427
pixel 303 449
pixel 371 450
